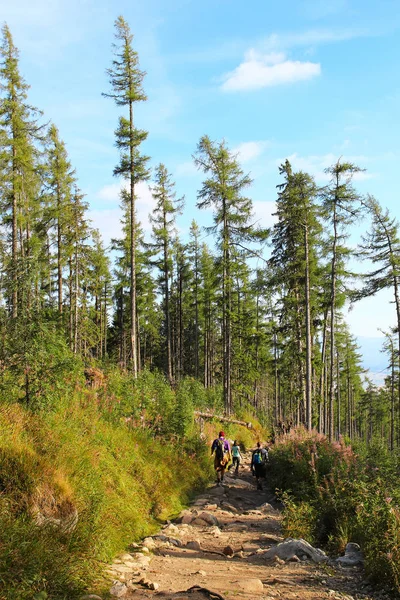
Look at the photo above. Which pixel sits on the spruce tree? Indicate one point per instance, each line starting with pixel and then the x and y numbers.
pixel 163 230
pixel 126 82
pixel 223 190
pixel 19 176
pixel 341 205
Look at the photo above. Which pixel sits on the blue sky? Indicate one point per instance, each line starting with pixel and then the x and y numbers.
pixel 310 80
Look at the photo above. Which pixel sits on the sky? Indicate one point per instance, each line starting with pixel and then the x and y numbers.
pixel 308 80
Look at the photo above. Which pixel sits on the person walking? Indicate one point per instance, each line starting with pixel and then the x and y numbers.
pixel 236 457
pixel 259 460
pixel 222 457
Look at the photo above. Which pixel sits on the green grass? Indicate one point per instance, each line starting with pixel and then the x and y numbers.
pixel 120 480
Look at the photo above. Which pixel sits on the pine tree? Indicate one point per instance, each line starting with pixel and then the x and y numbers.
pixel 223 191
pixel 341 206
pixel 126 81
pixel 163 229
pixel 294 261
pixel 60 179
pixel 19 176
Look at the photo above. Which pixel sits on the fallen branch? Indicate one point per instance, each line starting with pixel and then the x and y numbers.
pixel 205 415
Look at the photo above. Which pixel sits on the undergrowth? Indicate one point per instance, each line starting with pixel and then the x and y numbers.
pixel 334 494
pixel 96 471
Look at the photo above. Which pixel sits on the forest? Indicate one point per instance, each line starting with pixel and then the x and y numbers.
pixel 255 313
pixel 107 352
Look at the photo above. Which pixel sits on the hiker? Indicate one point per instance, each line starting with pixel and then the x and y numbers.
pixel 236 457
pixel 222 451
pixel 259 461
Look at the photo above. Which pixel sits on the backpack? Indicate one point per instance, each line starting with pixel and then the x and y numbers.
pixel 257 458
pixel 219 450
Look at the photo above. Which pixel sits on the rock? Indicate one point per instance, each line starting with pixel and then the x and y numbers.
pixel 266 508
pixel 208 518
pixel 149 543
pixel 118 590
pixel 141 559
pixel 352 556
pixel 294 558
pixel 153 586
pixel 228 551
pixel 199 522
pixel 291 547
pixel 278 560
pixel 200 502
pixel 193 545
pixel 171 529
pixel 123 568
pixel 211 506
pixel 240 554
pixel 202 573
pixel 125 557
pixel 145 550
pixel 250 586
pixel 229 507
pixel 215 531
pixel 134 546
pixel 186 518
pixel 90 597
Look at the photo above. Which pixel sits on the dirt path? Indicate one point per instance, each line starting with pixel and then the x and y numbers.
pixel 241 524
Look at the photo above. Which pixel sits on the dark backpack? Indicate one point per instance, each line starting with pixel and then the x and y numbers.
pixel 219 450
pixel 257 458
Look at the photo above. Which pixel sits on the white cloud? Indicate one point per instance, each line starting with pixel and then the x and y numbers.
pixel 265 70
pixel 247 151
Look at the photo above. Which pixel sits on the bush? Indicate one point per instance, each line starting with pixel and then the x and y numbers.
pixel 333 496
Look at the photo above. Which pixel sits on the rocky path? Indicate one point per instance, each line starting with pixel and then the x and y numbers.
pixel 223 548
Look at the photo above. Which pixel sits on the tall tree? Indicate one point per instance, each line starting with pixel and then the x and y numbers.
pixel 59 183
pixel 163 228
pixel 20 132
pixel 126 81
pixel 294 260
pixel 341 204
pixel 381 246
pixel 223 190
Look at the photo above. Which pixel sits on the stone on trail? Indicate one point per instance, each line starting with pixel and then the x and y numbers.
pixel 171 529
pixel 199 522
pixel 250 586
pixel 149 543
pixel 119 590
pixel 90 597
pixel 229 507
pixel 291 547
pixel 193 545
pixel 215 531
pixel 209 518
pixel 352 556
pixel 211 506
pixel 228 551
pixel 266 508
pixel 186 517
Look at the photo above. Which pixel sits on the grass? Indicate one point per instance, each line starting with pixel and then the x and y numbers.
pixel 81 462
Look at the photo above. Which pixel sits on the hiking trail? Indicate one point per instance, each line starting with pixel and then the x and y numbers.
pixel 216 551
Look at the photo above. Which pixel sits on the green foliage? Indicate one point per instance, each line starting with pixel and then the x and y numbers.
pixel 333 495
pixel 77 458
